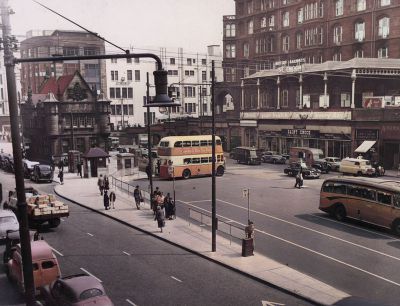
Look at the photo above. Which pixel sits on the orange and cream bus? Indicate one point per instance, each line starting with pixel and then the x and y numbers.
pixel 189 156
pixel 369 200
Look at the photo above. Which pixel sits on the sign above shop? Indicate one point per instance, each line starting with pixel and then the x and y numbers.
pixel 367 134
pixel 300 133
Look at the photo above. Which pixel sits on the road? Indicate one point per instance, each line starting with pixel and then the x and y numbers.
pixel 359 259
pixel 138 269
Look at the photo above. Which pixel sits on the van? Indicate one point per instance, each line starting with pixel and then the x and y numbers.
pixel 44 263
pixel 247 155
pixel 356 166
pixel 307 155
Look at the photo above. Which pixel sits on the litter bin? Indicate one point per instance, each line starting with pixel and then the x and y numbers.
pixel 247 247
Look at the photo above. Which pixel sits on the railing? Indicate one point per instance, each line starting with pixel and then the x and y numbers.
pixel 224 226
pixel 128 188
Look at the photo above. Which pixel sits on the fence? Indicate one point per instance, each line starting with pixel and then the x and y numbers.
pixel 224 226
pixel 128 188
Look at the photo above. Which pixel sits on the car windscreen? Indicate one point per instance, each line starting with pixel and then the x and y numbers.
pixel 44 168
pixel 90 293
pixel 7 219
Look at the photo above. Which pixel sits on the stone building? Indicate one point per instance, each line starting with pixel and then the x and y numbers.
pixel 66 115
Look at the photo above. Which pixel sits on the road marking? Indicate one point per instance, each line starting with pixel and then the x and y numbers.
pixel 177 279
pixel 268 303
pixel 130 302
pixel 352 226
pixel 315 252
pixel 126 253
pixel 57 252
pixel 315 231
pixel 87 272
pixel 90 234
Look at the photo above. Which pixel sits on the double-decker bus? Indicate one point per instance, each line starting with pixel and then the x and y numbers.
pixel 189 156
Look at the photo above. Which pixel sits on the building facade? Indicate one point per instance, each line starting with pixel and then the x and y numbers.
pixel 300 73
pixel 189 78
pixel 65 115
pixel 61 43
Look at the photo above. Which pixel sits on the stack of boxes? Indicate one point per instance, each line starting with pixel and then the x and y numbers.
pixel 46 205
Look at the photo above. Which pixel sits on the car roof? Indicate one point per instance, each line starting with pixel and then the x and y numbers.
pixel 40 250
pixel 79 283
pixel 7 213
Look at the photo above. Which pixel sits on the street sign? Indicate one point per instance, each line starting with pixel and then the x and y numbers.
pixel 245 193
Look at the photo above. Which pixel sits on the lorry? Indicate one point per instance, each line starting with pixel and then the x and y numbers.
pixel 41 208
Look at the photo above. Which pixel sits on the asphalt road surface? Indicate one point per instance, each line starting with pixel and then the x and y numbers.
pixel 359 259
pixel 138 269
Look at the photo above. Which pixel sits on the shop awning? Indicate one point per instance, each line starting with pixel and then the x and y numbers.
pixel 365 146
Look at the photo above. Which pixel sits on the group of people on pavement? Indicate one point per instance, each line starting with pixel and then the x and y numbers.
pixel 104 186
pixel 163 207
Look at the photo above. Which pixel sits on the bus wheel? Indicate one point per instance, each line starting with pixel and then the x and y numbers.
pixel 396 227
pixel 186 174
pixel 340 212
pixel 220 171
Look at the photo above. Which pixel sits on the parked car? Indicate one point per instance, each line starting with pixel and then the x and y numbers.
pixel 333 162
pixel 247 155
pixel 8 222
pixel 28 167
pixel 293 168
pixel 75 290
pixel 42 172
pixel 274 159
pixel 44 263
pixel 7 162
pixel 322 165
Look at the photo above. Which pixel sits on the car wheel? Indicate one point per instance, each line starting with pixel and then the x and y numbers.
pixel 340 212
pixel 396 227
pixel 186 174
pixel 220 171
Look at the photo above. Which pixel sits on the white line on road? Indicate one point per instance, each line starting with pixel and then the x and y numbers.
pixel 90 234
pixel 310 250
pixel 62 219
pixel 87 272
pixel 177 279
pixel 57 252
pixel 130 302
pixel 126 253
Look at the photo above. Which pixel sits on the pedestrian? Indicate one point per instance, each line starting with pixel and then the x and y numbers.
pixel 100 183
pixel 167 206
pixel 148 171
pixel 160 218
pixel 154 196
pixel 79 167
pixel 299 179
pixel 61 176
pixel 138 196
pixel 106 183
pixel 173 210
pixel 61 165
pixel 112 198
pixel 106 200
pixel 158 166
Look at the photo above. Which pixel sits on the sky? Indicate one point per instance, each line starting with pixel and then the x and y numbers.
pixel 190 24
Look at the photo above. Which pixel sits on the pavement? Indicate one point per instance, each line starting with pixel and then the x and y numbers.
pixel 197 239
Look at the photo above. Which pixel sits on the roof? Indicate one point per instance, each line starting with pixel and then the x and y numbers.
pixel 188 137
pixel 365 146
pixel 41 250
pixel 80 283
pixel 373 182
pixel 96 153
pixel 56 86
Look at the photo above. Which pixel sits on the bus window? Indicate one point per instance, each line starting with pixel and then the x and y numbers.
pixel 218 158
pixel 384 198
pixel 187 161
pixel 195 160
pixel 178 144
pixel 164 144
pixel 203 143
pixel 195 143
pixel 210 143
pixel 218 142
pixel 210 159
pixel 396 200
pixel 204 160
pixel 187 143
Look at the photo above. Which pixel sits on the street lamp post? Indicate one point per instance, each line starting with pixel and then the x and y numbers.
pixel 213 178
pixel 150 164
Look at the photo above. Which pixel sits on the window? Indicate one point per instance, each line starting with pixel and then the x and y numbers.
pixel 361 5
pixel 130 92
pixel 337 34
pixel 337 56
pixel 70 51
pixel 385 2
pixel 172 61
pixel 250 27
pixel 136 60
pixel 204 76
pixel 285 98
pixel 359 31
pixel 190 91
pixel 137 75
pixel 117 92
pixel 189 61
pixel 129 75
pixel 271 21
pixel 204 61
pixel 263 4
pixel 114 75
pixel 230 30
pixel 124 92
pixel 383 52
pixel 359 53
pixel 285 43
pixel 271 3
pixel 246 50
pixel 384 198
pixel 339 7
pixel 270 44
pixel 90 51
pixel 383 30
pixel 250 7
pixel 313 37
pixel 230 51
pixel 299 39
pixel 285 19
pixel 112 92
pixel 129 60
pixel 300 15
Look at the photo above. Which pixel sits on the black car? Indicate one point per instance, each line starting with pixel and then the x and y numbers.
pixel 294 168
pixel 274 159
pixel 42 172
pixel 322 166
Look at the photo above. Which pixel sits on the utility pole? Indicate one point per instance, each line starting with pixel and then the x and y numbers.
pixel 213 178
pixel 17 153
pixel 150 165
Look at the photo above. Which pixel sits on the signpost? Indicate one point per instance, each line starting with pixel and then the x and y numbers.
pixel 246 194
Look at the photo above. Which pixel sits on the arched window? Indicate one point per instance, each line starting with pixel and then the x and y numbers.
pixel 383 27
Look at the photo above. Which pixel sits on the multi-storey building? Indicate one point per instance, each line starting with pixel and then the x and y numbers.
pixel 304 73
pixel 189 78
pixel 61 43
